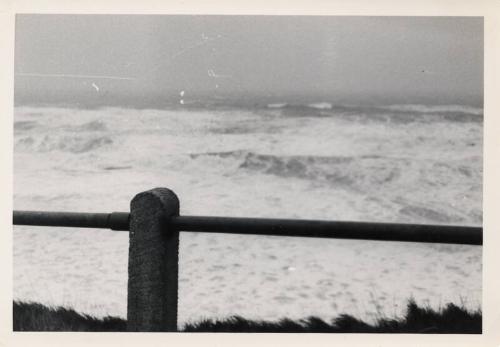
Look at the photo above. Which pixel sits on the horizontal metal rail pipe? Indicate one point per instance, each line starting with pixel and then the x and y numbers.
pixel 332 229
pixel 113 221
pixel 262 226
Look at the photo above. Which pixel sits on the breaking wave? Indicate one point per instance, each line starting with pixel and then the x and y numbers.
pixel 375 177
pixel 435 109
pixel 25 125
pixel 321 105
pixel 277 105
pixel 337 169
pixel 73 144
pixel 96 125
pixel 366 172
pixel 393 113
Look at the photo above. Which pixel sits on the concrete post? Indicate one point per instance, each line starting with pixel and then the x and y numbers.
pixel 153 262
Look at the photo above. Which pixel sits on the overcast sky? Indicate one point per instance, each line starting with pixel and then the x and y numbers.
pixel 116 58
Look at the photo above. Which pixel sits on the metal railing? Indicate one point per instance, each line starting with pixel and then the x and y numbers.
pixel 154 225
pixel 119 221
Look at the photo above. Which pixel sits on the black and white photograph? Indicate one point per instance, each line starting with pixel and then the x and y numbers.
pixel 248 173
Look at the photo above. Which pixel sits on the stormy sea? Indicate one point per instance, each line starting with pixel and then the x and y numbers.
pixel 377 163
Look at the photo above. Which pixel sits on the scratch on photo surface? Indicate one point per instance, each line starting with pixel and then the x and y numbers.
pixel 34 74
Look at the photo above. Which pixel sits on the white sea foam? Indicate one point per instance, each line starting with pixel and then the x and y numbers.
pixel 321 105
pixel 277 105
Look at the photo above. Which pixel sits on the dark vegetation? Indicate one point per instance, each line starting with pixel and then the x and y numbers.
pixel 37 317
pixel 420 320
